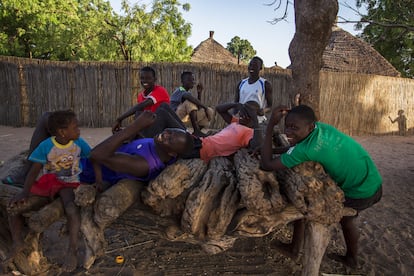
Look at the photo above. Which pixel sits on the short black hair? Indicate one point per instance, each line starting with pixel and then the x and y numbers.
pixel 304 112
pixel 149 69
pixel 258 59
pixel 60 119
pixel 185 74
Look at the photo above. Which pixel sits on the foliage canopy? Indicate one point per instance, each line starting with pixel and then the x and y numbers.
pixel 91 30
pixel 241 48
pixel 390 31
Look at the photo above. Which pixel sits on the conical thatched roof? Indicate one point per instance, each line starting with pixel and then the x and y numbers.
pixel 210 51
pixel 347 53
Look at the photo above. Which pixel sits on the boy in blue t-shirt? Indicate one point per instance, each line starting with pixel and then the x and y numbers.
pixel 349 165
pixel 55 170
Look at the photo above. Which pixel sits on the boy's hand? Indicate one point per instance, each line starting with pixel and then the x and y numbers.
pixel 18 199
pixel 116 126
pixel 199 88
pixel 247 112
pixel 278 114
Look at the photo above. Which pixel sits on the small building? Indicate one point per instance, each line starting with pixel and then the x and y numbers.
pixel 210 51
pixel 347 53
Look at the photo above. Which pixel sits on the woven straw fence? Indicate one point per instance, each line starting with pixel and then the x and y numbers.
pixel 100 91
pixel 360 104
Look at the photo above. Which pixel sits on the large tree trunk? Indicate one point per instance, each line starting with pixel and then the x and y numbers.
pixel 314 20
pixel 210 206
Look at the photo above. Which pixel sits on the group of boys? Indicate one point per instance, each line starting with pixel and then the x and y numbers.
pixel 158 136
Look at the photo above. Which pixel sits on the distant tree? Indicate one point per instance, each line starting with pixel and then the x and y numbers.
pixel 389 28
pixel 90 30
pixel 241 48
pixel 54 29
pixel 158 33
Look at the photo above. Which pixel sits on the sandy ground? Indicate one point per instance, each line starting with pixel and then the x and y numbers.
pixel 386 241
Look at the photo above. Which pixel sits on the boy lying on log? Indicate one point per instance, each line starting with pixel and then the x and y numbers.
pixel 349 165
pixel 141 159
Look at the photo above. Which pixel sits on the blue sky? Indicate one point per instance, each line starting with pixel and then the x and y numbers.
pixel 247 19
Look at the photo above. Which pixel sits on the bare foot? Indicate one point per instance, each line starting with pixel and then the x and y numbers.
pixel 346 260
pixel 71 262
pixel 286 249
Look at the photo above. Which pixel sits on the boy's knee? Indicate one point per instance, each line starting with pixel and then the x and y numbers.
pixel 189 106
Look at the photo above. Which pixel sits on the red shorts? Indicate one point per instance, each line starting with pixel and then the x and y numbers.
pixel 49 185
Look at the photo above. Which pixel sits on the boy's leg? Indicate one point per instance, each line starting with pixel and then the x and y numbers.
pixel 16 223
pixel 205 119
pixel 189 109
pixel 351 236
pixel 73 225
pixel 194 122
pixel 166 118
pixel 350 230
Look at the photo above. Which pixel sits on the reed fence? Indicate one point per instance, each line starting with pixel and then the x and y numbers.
pixel 100 91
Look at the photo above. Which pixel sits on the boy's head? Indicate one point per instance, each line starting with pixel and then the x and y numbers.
pixel 400 112
pixel 187 80
pixel 299 123
pixel 254 67
pixel 64 124
pixel 175 141
pixel 147 77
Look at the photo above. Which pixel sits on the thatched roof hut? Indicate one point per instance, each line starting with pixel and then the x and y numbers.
pixel 210 51
pixel 347 53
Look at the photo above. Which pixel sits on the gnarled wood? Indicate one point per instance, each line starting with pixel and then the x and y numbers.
pixel 203 199
pixel 313 192
pixel 249 224
pixel 210 207
pixel 259 189
pixel 317 239
pixel 167 194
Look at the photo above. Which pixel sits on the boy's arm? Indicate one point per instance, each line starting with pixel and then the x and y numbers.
pixel 130 112
pixel 98 175
pixel 223 110
pixel 199 90
pixel 28 183
pixel 257 140
pixel 194 100
pixel 268 96
pixel 237 95
pixel 280 150
pixel 267 162
pixel 105 153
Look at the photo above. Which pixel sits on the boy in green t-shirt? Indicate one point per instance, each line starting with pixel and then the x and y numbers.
pixel 349 165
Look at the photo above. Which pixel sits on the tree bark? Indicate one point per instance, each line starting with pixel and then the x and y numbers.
pixel 213 206
pixel 259 189
pixel 317 237
pixel 314 20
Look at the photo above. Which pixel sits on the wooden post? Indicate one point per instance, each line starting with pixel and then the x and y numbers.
pixel 317 237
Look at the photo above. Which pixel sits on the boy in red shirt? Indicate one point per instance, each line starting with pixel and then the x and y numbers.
pixel 149 99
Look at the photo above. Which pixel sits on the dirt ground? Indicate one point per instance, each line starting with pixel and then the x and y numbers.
pixel 386 240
